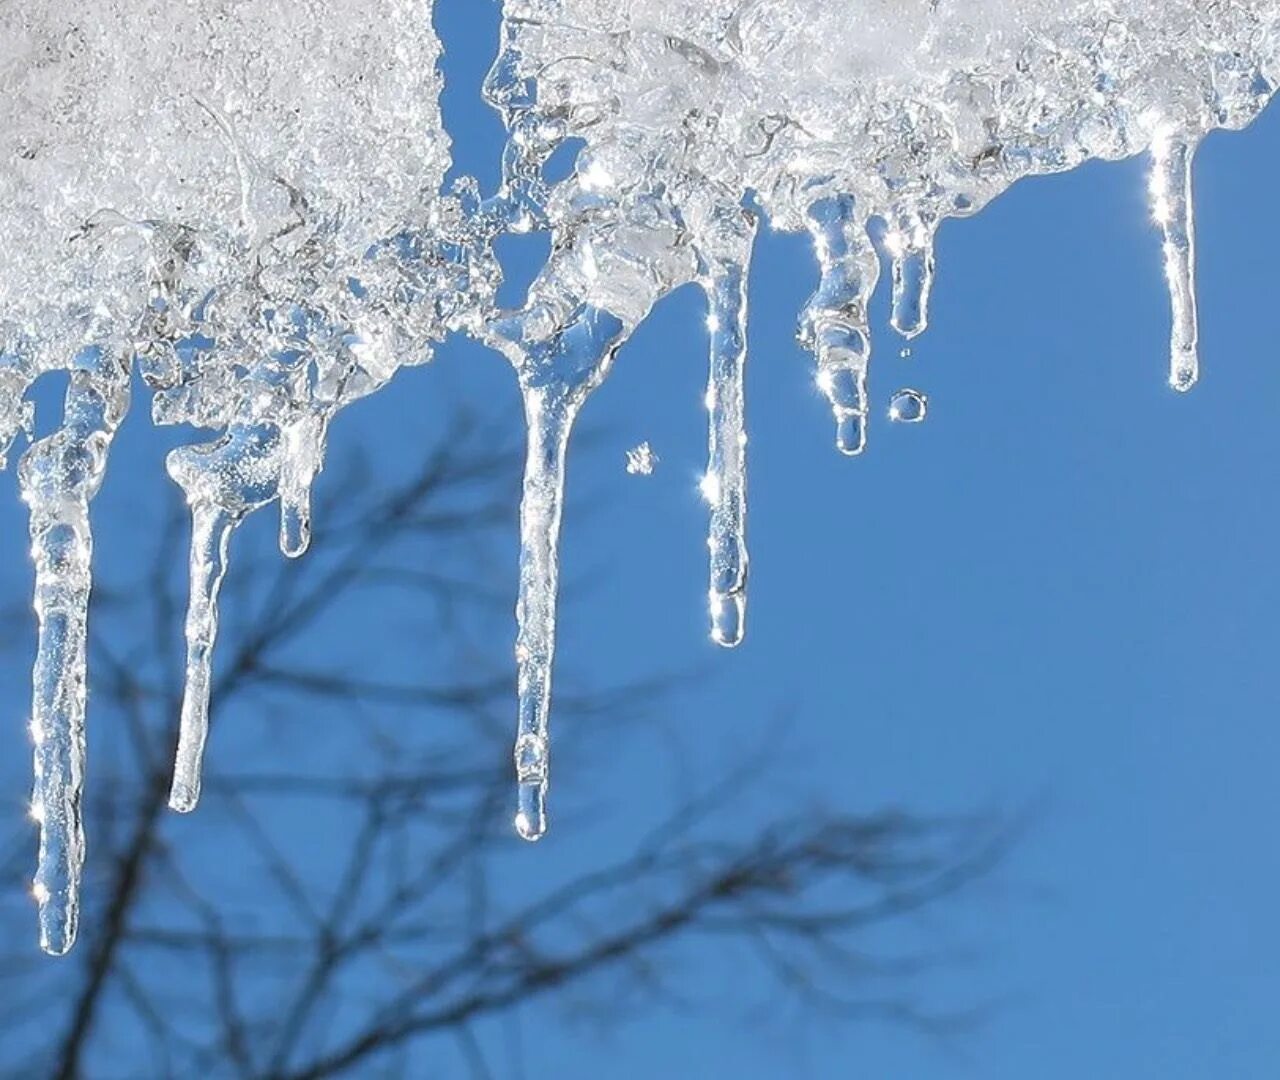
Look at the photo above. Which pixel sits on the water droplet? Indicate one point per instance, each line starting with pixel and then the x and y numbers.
pixel 908 406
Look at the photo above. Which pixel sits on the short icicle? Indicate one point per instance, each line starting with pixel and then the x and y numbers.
pixel 303 448
pixel 725 484
pixel 224 481
pixel 557 372
pixel 835 322
pixel 59 476
pixel 1171 205
pixel 911 248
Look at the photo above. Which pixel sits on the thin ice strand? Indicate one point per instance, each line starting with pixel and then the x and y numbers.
pixel 211 528
pixel 725 484
pixel 550 415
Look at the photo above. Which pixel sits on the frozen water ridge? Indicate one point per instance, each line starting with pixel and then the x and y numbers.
pixel 253 216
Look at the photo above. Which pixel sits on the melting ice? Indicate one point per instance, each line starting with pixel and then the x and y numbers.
pixel 267 247
pixel 273 243
pixel 844 119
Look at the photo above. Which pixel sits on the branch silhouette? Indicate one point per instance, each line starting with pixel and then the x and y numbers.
pixel 358 897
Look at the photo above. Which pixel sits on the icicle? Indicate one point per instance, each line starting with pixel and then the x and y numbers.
pixel 557 372
pixel 911 246
pixel 303 449
pixel 224 481
pixel 725 483
pixel 59 476
pixel 550 417
pixel 61 550
pixel 210 538
pixel 835 321
pixel 1171 205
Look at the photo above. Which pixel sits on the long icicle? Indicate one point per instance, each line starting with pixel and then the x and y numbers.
pixel 1172 207
pixel 211 528
pixel 725 484
pixel 59 476
pixel 557 373
pixel 550 415
pixel 835 322
pixel 224 481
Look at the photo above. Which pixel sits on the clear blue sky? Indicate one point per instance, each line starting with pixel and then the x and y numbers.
pixel 1059 590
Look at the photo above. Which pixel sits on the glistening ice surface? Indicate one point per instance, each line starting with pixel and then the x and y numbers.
pixel 244 201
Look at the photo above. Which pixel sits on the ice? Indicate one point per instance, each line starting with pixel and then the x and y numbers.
pixel 271 242
pixel 269 245
pixel 641 460
pixel 724 278
pixel 845 119
pixel 1172 208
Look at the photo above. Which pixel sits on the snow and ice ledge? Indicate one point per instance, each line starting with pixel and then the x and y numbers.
pixel 273 245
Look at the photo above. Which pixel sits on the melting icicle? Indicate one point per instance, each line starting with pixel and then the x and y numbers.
pixel 210 537
pixel 924 110
pixel 302 451
pixel 725 483
pixel 59 476
pixel 550 418
pixel 223 481
pixel 911 246
pixel 556 375
pixel 835 322
pixel 908 406
pixel 1171 205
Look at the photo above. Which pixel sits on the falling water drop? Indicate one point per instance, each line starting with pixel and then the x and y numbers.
pixel 908 406
pixel 59 475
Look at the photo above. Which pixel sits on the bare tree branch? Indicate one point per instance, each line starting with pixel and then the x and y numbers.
pixel 369 909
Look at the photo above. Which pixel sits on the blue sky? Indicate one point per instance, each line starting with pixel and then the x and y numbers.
pixel 1059 591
